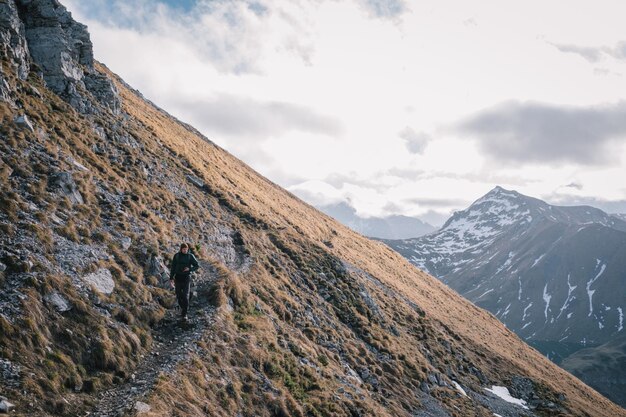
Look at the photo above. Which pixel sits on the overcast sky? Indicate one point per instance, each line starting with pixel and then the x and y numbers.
pixel 398 107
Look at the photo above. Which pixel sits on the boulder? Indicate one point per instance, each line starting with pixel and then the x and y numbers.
pixel 58 302
pixel 157 268
pixel 141 407
pixel 101 280
pixel 64 183
pixel 23 122
pixel 5 406
pixel 125 242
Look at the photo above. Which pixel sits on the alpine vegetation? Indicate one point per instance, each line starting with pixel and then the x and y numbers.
pixel 289 313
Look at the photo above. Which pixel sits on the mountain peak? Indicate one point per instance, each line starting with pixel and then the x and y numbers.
pixel 499 192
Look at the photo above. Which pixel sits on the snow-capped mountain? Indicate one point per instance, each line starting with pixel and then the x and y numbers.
pixel 554 275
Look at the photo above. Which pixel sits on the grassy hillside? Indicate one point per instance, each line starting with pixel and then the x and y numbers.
pixel 308 317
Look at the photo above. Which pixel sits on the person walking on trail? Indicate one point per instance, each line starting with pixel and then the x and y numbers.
pixel 183 264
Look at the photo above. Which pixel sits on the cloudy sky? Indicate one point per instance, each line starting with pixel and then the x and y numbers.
pixel 395 106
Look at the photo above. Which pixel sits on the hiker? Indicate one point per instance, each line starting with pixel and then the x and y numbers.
pixel 183 264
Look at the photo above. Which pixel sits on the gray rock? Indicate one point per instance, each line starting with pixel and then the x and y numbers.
pixel 6 406
pixel 5 89
pixel 141 407
pixel 58 301
pixel 195 181
pixel 64 183
pixel 522 387
pixel 12 39
pixel 101 280
pixel 23 122
pixel 126 242
pixel 3 267
pixel 157 268
pixel 62 48
pixel 9 373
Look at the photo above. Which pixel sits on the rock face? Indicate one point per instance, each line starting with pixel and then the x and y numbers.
pixel 12 45
pixel 43 31
pixel 12 39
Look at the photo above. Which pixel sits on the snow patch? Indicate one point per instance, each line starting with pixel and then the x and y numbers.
pixel 485 293
pixel 546 297
pixel 506 310
pixel 503 393
pixel 525 310
pixel 537 260
pixel 591 281
pixel 459 388
pixel 570 290
pixel 621 319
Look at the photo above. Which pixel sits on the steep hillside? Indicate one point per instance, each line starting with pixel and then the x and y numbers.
pixel 295 314
pixel 552 274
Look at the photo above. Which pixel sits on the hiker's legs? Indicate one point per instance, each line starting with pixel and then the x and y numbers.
pixel 182 293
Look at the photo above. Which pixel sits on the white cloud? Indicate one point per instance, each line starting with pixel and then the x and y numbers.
pixel 316 94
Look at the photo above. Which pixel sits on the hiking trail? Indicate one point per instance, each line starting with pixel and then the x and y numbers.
pixel 173 341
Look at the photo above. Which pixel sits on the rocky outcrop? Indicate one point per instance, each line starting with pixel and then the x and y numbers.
pixel 45 32
pixel 13 40
pixel 24 123
pixel 62 48
pixel 63 183
pixel 13 48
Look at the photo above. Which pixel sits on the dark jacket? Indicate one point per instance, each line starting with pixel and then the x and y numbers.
pixel 182 261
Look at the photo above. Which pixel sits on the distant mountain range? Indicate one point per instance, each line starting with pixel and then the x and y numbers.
pixel 391 227
pixel 554 275
pixel 621 216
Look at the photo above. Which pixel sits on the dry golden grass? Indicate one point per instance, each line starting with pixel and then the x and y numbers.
pixel 273 324
pixel 267 204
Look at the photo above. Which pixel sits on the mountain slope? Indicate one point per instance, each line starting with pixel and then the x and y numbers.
pixel 536 267
pixel 552 274
pixel 602 367
pixel 295 313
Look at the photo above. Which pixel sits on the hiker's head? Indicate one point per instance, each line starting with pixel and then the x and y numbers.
pixel 184 248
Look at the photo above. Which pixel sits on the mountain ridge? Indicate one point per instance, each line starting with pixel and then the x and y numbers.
pixel 549 273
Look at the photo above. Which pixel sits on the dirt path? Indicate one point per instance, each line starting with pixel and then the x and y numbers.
pixel 173 341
